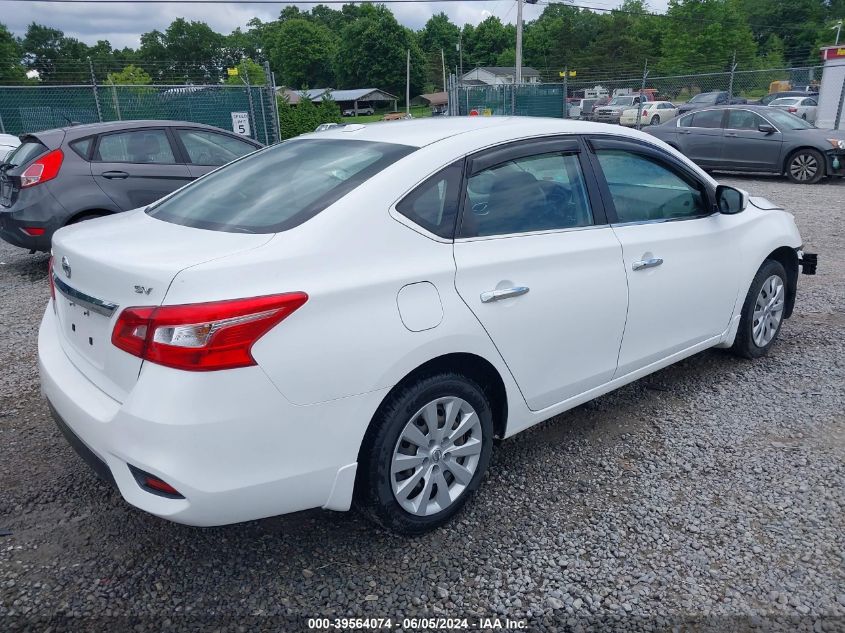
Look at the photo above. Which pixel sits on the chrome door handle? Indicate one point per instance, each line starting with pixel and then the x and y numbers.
pixel 503 293
pixel 647 263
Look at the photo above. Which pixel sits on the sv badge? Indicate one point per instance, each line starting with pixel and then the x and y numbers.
pixel 141 290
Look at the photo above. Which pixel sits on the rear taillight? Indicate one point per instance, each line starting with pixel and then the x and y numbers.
pixel 50 276
pixel 202 336
pixel 792 110
pixel 45 168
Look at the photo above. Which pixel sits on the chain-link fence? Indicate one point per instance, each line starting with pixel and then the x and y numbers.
pixel 549 99
pixel 248 110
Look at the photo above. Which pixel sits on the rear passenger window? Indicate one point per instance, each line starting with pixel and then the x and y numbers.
pixel 707 118
pixel 644 189
pixel 83 147
pixel 536 193
pixel 434 204
pixel 137 146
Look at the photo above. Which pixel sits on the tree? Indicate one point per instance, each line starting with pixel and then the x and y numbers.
pixel 439 34
pixel 187 51
pixel 58 59
pixel 797 23
pixel 372 53
pixel 12 70
pixel 302 52
pixel 702 36
pixel 247 69
pixel 130 76
pixel 487 41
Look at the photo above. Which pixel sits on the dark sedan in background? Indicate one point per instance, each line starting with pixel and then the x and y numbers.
pixel 756 139
pixel 705 99
pixel 59 177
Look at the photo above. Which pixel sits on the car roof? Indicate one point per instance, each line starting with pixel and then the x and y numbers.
pixel 75 131
pixel 422 132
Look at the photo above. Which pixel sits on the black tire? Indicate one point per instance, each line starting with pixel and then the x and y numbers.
pixel 744 344
pixel 808 158
pixel 655 120
pixel 374 496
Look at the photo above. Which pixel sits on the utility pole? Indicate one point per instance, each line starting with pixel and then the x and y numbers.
pixel 408 83
pixel 443 64
pixel 460 47
pixel 518 70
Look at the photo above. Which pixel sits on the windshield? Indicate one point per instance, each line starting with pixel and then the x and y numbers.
pixel 705 97
pixel 278 188
pixel 784 120
pixel 623 101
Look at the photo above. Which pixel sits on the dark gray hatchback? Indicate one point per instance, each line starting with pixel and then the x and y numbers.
pixel 59 177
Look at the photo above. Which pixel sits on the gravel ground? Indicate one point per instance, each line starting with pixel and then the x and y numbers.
pixel 710 492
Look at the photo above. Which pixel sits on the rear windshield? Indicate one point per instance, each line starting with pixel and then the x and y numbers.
pixel 705 97
pixel 25 153
pixel 279 187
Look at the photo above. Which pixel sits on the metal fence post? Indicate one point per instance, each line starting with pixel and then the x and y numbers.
pixel 565 92
pixel 642 92
pixel 251 105
pixel 96 95
pixel 271 89
pixel 2 127
pixel 731 84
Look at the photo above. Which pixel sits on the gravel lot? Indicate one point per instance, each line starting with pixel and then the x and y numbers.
pixel 712 491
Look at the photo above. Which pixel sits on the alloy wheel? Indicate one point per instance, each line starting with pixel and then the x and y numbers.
pixel 804 167
pixel 436 456
pixel 768 311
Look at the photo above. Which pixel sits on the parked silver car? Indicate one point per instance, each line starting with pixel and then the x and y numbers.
pixel 804 107
pixel 7 144
pixel 612 112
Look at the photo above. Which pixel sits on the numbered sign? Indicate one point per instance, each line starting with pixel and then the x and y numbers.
pixel 240 123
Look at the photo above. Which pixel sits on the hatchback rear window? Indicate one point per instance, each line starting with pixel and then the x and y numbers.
pixel 26 152
pixel 278 188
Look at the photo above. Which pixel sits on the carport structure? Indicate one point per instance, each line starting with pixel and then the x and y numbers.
pixel 346 99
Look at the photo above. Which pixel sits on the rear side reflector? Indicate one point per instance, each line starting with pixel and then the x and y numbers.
pixel 202 336
pixel 153 484
pixel 45 168
pixel 34 231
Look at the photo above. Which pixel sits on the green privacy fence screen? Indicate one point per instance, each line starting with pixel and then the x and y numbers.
pixel 26 109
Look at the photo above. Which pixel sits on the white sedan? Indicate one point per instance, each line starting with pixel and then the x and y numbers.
pixel 351 317
pixel 653 113
pixel 7 144
pixel 802 107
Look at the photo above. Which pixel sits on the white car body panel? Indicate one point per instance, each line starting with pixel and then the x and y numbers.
pixel 239 444
pixel 7 144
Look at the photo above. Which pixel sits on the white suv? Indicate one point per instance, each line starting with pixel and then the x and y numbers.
pixel 353 316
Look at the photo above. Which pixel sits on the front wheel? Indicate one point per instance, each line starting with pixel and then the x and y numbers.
pixel 655 120
pixel 762 312
pixel 806 167
pixel 425 453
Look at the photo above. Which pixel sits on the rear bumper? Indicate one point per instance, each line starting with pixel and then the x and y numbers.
pixel 36 208
pixel 227 441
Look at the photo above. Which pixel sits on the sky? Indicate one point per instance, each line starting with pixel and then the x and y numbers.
pixel 123 24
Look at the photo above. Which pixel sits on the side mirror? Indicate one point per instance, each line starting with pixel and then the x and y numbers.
pixel 730 200
pixel 766 128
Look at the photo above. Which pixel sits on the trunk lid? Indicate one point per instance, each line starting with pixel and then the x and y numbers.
pixel 103 266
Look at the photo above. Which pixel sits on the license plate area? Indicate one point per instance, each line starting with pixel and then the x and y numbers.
pixel 85 330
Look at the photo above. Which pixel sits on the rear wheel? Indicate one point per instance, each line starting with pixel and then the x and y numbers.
pixel 762 312
pixel 806 166
pixel 426 452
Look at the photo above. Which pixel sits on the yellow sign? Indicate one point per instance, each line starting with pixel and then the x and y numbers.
pixel 487 112
pixel 563 74
pixel 233 72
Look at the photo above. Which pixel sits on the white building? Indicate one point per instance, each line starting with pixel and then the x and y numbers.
pixel 498 75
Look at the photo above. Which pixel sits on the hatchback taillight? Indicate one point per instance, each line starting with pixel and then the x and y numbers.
pixel 45 168
pixel 202 336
